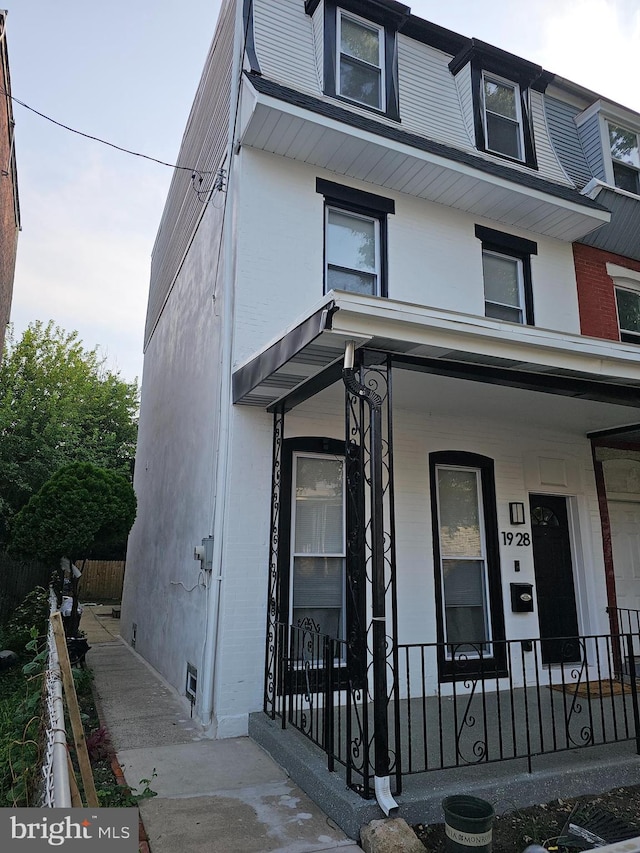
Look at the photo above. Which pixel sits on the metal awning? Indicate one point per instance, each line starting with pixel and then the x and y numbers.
pixel 308 357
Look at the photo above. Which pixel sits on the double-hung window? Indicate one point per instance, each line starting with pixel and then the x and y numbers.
pixel 628 305
pixel 626 285
pixel 360 60
pixel 321 556
pixel 359 52
pixel 500 107
pixel 469 613
pixel 463 563
pixel 506 272
pixel 355 229
pixel 352 252
pixel 503 287
pixel 625 157
pixel 318 549
pixel 501 104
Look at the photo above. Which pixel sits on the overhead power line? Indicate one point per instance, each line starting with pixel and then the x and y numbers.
pixel 195 172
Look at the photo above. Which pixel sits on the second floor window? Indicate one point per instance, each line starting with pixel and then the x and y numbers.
pixel 506 273
pixel 628 305
pixel 355 239
pixel 503 287
pixel 360 71
pixel 625 158
pixel 502 117
pixel 352 252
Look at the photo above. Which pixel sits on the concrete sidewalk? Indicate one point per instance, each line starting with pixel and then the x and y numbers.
pixel 218 796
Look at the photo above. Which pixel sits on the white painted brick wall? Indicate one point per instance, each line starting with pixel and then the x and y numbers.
pixel 416 434
pixel 434 256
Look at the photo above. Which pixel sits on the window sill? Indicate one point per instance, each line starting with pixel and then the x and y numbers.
pixel 375 110
pixel 530 165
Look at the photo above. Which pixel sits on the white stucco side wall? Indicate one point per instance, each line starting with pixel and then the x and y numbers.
pixel 165 593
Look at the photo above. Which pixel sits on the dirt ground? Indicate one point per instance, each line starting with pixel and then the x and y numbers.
pixel 542 824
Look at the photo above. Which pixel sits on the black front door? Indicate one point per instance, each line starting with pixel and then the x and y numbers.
pixel 555 590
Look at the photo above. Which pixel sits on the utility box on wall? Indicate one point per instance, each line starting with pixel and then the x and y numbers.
pixel 522 597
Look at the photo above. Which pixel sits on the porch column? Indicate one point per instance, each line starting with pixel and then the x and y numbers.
pixel 273 609
pixel 371 385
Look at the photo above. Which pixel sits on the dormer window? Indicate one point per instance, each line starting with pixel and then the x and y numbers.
pixel 502 117
pixel 494 89
pixel 359 52
pixel 360 71
pixel 616 159
pixel 625 158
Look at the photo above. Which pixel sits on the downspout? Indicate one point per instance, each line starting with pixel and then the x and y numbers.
pixel 210 651
pixel 379 624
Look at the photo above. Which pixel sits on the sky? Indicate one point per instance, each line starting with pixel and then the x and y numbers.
pixel 127 71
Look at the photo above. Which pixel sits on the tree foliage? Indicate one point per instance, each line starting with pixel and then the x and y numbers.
pixel 80 508
pixel 58 404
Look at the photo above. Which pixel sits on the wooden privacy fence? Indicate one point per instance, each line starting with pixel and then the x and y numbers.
pixel 17 579
pixel 102 580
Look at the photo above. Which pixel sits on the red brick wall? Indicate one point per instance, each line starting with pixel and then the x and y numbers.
pixel 596 298
pixel 8 213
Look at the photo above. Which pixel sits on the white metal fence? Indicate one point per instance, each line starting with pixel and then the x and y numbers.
pixel 56 792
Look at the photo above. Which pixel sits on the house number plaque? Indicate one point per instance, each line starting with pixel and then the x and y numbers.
pixel 520 540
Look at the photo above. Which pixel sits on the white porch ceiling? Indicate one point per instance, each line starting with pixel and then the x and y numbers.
pixel 455 347
pixel 442 398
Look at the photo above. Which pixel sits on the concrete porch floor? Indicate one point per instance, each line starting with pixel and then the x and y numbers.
pixel 506 784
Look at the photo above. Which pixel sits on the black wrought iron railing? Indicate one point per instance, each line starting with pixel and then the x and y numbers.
pixel 575 693
pixel 626 621
pixel 588 695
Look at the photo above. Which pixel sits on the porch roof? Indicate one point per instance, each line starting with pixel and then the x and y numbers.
pixel 308 356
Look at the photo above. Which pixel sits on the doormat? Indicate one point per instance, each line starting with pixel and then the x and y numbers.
pixel 593 688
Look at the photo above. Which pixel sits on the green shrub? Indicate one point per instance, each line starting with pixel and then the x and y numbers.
pixel 20 702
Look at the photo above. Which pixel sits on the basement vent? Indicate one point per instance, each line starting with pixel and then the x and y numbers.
pixel 191 687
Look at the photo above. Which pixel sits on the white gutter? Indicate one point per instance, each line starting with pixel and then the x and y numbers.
pixel 214 590
pixel 592 189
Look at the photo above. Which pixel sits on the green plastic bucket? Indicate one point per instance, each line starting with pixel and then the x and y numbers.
pixel 468 824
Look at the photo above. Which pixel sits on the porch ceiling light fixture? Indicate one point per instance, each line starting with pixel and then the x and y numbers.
pixel 516 512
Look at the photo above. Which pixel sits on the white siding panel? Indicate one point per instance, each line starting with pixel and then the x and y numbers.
pixel 285 44
pixel 433 104
pixel 589 133
pixel 465 94
pixel 429 103
pixel 318 42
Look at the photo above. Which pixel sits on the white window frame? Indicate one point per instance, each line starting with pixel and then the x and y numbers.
pixel 344 211
pixel 363 22
pixel 521 294
pixel 484 558
pixel 609 113
pixel 624 126
pixel 338 661
pixel 495 78
pixel 629 280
